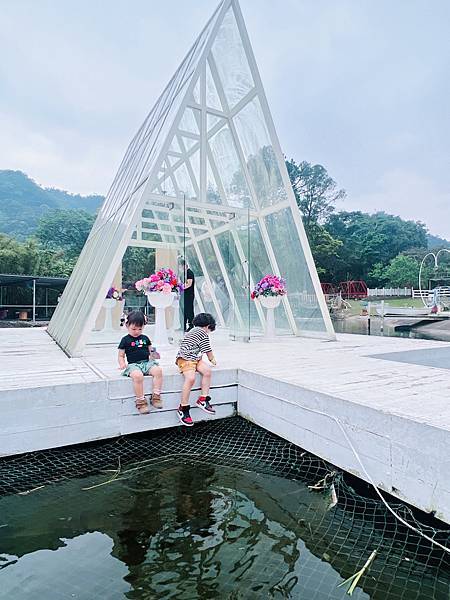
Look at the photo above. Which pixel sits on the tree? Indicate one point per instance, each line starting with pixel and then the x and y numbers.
pixel 315 191
pixel 65 229
pixel 29 258
pixel 325 249
pixel 371 239
pixel 402 271
pixel 137 263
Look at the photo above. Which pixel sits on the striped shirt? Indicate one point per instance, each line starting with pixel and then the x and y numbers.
pixel 194 344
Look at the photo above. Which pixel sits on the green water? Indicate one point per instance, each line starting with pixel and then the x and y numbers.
pixel 188 530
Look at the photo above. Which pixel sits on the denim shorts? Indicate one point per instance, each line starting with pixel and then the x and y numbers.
pixel 144 366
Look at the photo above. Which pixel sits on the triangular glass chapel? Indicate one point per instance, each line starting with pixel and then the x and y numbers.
pixel 205 177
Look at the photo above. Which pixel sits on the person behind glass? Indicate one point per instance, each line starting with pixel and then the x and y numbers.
pixel 140 356
pixel 188 296
pixel 189 360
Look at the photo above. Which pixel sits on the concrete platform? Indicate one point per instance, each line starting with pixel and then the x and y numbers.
pixel 341 400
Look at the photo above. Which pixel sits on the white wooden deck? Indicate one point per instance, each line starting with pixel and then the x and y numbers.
pixel 395 414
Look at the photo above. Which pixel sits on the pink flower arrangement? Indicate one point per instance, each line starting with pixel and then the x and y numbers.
pixel 164 281
pixel 270 285
pixel 114 294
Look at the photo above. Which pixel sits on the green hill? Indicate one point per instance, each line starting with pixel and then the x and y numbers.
pixel 23 202
pixel 434 241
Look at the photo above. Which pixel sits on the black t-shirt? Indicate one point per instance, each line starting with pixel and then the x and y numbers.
pixel 189 292
pixel 136 348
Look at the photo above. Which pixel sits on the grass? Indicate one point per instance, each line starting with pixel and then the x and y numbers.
pixel 355 305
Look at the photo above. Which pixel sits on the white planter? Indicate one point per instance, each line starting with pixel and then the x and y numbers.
pixel 270 303
pixel 108 304
pixel 160 302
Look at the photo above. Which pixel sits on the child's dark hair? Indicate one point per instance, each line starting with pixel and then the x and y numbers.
pixel 136 317
pixel 204 320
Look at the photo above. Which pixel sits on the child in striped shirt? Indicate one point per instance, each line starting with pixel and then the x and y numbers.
pixel 189 360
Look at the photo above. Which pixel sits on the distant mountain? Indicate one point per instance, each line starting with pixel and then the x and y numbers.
pixel 23 202
pixel 434 241
pixel 66 200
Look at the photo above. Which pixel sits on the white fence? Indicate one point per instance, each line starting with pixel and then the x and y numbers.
pixel 388 292
pixel 444 292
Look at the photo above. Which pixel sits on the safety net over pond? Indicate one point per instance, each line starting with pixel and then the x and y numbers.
pixel 221 510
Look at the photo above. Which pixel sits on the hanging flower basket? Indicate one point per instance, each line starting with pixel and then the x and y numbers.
pixel 269 286
pixel 161 289
pixel 163 281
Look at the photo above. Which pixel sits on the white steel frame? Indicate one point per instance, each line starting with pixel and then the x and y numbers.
pixel 153 163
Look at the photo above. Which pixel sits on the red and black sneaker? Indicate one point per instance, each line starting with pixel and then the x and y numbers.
pixel 185 416
pixel 203 403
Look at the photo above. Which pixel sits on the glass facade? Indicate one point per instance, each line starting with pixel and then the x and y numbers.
pixel 205 177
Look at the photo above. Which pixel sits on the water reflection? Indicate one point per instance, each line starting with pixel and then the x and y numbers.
pixel 185 529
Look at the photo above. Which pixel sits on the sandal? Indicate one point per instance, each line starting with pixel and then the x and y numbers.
pixel 142 406
pixel 156 401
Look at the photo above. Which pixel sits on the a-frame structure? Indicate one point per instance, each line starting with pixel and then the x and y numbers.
pixel 205 175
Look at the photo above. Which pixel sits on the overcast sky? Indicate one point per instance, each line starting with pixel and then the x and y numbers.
pixel 360 86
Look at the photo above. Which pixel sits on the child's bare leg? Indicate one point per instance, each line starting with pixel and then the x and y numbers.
pixel 138 382
pixel 204 400
pixel 137 378
pixel 205 372
pixel 189 380
pixel 156 373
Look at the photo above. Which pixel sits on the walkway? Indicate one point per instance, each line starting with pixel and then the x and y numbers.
pixel 379 395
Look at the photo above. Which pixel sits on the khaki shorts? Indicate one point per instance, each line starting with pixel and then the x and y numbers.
pixel 186 365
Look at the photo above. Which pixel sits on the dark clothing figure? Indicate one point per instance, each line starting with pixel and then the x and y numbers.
pixel 188 302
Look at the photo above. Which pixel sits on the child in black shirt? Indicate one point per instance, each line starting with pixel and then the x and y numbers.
pixel 136 348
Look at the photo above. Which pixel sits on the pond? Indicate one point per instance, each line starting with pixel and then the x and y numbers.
pixel 193 526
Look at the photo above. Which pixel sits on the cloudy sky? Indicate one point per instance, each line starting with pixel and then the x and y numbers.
pixel 360 86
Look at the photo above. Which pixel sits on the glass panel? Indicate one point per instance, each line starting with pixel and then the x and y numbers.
pixel 184 182
pixel 147 225
pixel 196 91
pixel 193 261
pixel 189 122
pixel 219 289
pixel 194 160
pixel 211 120
pixel 189 142
pixel 167 186
pixel 229 168
pixel 175 146
pixel 219 219
pixel 212 190
pixel 231 61
pixel 196 220
pixel 291 260
pixel 151 237
pixel 240 310
pixel 212 97
pixel 259 154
